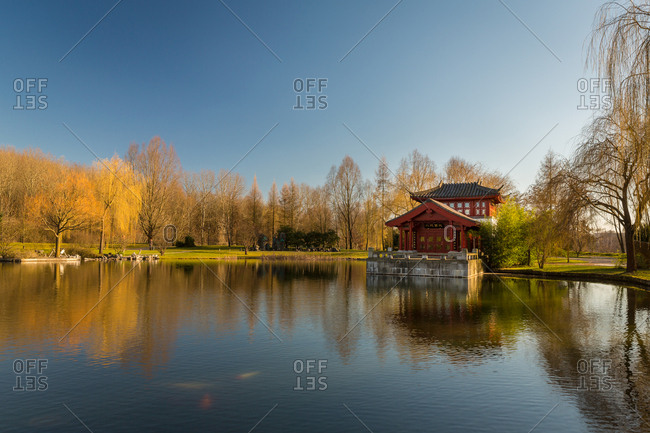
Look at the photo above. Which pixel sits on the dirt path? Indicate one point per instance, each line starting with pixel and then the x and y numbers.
pixel 592 261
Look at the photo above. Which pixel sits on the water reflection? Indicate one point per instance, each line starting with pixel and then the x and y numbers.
pixel 148 311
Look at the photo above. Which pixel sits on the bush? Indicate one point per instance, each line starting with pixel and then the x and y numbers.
pixel 504 241
pixel 85 253
pixel 313 239
pixel 188 242
pixel 6 250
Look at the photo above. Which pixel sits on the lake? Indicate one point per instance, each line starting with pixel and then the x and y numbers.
pixel 315 347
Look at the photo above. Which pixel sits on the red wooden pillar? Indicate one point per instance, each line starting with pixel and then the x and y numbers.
pixel 400 238
pixel 463 240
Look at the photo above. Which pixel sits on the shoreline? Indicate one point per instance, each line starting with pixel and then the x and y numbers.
pixel 587 276
pixel 590 277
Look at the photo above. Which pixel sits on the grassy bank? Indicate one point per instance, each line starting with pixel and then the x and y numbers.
pixel 211 252
pixel 606 274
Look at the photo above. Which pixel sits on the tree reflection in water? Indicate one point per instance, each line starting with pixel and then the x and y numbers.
pixel 424 321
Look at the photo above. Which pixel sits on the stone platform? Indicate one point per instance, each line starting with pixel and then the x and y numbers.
pixel 413 264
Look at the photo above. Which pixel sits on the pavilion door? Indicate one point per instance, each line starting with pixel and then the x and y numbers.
pixel 429 240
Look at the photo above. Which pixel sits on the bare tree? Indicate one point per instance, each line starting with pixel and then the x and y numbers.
pixel 417 172
pixel 230 187
pixel 199 191
pixel 346 186
pixel 322 212
pixel 67 204
pixel 457 170
pixel 158 169
pixel 253 211
pixel 370 213
pixel 272 210
pixel 290 203
pixel 543 197
pixel 383 186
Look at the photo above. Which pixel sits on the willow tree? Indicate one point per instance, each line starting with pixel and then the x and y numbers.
pixel 611 166
pixel 619 50
pixel 610 172
pixel 118 194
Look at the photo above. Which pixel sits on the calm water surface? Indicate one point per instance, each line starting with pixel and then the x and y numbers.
pixel 226 347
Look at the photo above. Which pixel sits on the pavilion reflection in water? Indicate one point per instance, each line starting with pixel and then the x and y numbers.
pixel 451 316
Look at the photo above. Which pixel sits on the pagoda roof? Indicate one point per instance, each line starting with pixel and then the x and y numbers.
pixel 437 207
pixel 457 190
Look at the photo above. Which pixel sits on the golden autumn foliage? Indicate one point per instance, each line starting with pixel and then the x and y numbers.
pixel 118 195
pixel 134 199
pixel 67 204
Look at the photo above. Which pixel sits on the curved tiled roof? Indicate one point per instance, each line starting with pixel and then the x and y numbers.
pixel 453 190
pixel 437 207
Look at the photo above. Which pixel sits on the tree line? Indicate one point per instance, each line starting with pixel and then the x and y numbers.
pixel 131 199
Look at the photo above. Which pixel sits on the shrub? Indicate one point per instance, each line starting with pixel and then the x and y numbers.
pixel 313 239
pixel 186 243
pixel 85 253
pixel 504 241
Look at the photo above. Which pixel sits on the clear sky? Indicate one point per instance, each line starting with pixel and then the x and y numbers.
pixel 462 78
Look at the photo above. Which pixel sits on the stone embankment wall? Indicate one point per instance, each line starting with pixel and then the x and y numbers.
pixel 453 264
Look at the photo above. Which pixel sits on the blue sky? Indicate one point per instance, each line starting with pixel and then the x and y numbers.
pixel 448 78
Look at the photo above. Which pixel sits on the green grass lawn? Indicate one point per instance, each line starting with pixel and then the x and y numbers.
pixel 643 274
pixel 203 252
